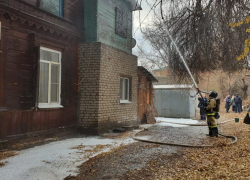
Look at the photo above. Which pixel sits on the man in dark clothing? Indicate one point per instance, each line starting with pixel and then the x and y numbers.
pixel 202 101
pixel 238 102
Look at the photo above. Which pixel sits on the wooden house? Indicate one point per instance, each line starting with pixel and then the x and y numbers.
pixel 66 62
pixel 39 65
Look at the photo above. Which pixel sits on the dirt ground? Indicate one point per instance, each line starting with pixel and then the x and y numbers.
pixel 152 161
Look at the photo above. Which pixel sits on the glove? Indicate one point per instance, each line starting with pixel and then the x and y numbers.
pixel 216 115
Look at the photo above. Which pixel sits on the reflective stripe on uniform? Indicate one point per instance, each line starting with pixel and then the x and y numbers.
pixel 213 126
pixel 210 114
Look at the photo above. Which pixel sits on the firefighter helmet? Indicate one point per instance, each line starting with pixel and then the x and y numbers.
pixel 213 94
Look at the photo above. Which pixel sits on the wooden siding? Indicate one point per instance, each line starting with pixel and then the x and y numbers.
pixel 144 95
pixel 2 84
pixel 18 80
pixel 14 123
pixel 20 72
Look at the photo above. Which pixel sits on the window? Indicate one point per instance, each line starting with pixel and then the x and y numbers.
pixel 49 78
pixel 125 90
pixel 53 6
pixel 121 23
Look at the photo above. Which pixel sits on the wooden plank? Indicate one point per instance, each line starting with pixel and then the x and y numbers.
pixel 19 35
pixel 11 123
pixel 26 93
pixel 18 60
pixel 13 93
pixel 64 117
pixel 19 120
pixel 28 87
pixel 24 124
pixel 46 120
pixel 40 121
pixel 12 66
pixel 34 121
pixel 51 119
pixel 15 40
pixel 26 67
pixel 2 64
pixel 25 106
pixel 17 47
pixel 18 54
pixel 12 102
pixel 26 73
pixel 12 80
pixel 30 121
pixel 12 73
pixel 1 125
pixel 27 80
pixel 5 121
pixel 32 2
pixel 26 99
pixel 12 86
pixel 58 117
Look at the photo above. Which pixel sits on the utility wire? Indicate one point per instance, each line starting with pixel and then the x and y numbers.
pixel 154 5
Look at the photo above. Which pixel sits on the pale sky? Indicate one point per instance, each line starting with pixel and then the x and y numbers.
pixel 143 13
pixel 146 19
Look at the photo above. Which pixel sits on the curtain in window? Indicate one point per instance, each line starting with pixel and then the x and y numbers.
pixel 44 83
pixel 54 83
pixel 49 56
pixel 124 89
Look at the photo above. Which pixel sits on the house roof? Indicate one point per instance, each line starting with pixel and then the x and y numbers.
pixel 147 73
pixel 174 86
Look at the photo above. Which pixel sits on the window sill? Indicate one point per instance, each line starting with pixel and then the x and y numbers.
pixel 125 102
pixel 48 106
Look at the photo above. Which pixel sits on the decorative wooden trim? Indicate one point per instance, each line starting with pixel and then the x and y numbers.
pixel 39 23
pixel 48 42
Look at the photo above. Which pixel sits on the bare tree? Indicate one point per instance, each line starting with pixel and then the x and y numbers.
pixel 202 33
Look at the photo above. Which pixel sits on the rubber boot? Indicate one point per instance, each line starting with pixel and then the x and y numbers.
pixel 210 132
pixel 214 132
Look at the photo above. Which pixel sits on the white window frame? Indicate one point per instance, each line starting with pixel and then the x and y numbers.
pixel 123 100
pixel 50 104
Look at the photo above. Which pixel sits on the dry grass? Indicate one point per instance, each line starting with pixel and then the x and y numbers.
pixel 120 135
pixel 4 155
pixel 222 162
pixel 20 146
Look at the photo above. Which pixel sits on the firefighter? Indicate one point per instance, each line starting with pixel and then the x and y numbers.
pixel 210 113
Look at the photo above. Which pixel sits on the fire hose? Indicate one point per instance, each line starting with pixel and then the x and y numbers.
pixel 234 138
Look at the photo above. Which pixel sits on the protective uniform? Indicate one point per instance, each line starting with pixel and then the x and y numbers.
pixel 212 126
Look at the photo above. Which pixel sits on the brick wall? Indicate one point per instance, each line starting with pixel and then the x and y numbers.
pixel 101 67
